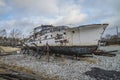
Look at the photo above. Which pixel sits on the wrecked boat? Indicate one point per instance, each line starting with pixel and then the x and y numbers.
pixel 65 40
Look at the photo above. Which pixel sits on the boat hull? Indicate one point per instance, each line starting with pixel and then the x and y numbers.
pixel 71 41
pixel 73 50
pixel 69 50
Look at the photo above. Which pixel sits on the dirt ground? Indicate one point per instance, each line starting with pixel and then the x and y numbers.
pixel 13 72
pixel 93 68
pixel 8 49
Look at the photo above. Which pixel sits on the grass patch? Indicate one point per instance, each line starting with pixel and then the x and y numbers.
pixel 89 60
pixel 9 49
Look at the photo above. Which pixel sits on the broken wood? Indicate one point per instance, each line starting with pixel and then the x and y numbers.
pixel 18 75
pixel 105 53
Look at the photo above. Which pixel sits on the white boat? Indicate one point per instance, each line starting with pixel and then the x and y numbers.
pixel 64 40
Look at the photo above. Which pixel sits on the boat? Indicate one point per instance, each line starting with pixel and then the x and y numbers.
pixel 78 40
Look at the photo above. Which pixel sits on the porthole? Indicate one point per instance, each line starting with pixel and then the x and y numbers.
pixel 64 33
pixel 73 31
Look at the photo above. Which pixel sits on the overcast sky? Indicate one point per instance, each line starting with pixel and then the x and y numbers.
pixel 27 14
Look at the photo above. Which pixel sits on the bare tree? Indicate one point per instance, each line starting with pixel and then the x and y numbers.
pixel 3 33
pixel 15 34
pixel 2 36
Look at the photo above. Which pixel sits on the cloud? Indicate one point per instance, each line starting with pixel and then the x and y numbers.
pixel 31 13
pixel 74 16
pixel 2 3
pixel 58 11
pixel 23 25
pixel 100 9
pixel 37 6
pixel 4 9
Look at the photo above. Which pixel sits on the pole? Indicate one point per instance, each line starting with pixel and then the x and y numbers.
pixel 117 34
pixel 117 31
pixel 47 47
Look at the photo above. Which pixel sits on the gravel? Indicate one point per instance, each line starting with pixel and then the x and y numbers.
pixel 68 69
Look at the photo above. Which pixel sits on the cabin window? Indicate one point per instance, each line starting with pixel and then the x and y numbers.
pixel 56 29
pixel 59 29
pixel 48 31
pixel 51 30
pixel 73 31
pixel 58 36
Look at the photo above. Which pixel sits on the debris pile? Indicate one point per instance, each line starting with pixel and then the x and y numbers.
pixel 66 69
pixel 9 72
pixel 90 68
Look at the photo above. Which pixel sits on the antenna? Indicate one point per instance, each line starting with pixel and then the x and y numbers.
pixel 117 31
